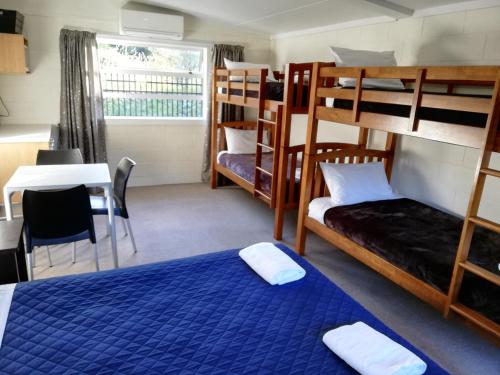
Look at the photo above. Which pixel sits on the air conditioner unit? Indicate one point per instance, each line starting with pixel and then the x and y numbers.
pixel 151 24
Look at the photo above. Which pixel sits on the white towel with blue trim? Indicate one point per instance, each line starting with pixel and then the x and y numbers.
pixel 272 264
pixel 371 353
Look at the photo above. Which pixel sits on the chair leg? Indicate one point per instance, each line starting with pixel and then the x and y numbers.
pixel 17 267
pixel 96 257
pixel 74 253
pixel 29 261
pixel 124 226
pixel 131 235
pixel 48 256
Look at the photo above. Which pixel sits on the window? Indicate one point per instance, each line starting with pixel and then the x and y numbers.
pixel 152 81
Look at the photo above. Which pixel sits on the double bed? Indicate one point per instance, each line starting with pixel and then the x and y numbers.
pixel 205 314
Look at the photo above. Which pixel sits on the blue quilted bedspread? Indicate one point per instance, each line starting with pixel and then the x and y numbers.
pixel 209 314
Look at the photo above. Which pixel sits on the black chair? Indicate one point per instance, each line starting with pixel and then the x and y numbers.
pixel 57 217
pixel 51 157
pixel 122 174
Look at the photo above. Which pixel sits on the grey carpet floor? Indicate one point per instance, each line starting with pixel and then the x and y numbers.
pixel 178 221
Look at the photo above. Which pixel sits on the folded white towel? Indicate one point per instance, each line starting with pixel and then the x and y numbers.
pixel 272 264
pixel 371 353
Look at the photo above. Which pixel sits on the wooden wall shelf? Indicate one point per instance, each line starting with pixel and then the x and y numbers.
pixel 13 54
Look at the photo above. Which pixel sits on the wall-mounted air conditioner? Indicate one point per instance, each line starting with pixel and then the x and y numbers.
pixel 151 25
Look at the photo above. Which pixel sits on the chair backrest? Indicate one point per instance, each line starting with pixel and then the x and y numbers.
pixel 122 174
pixel 57 214
pixel 50 157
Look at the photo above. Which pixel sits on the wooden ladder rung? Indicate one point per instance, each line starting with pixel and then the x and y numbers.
pixel 490 172
pixel 477 318
pixel 262 194
pixel 263 145
pixel 488 224
pixel 266 121
pixel 265 171
pixel 481 272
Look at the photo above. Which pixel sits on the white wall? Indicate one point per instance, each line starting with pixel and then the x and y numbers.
pixel 166 151
pixel 432 172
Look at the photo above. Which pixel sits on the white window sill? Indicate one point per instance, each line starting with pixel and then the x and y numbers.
pixel 155 121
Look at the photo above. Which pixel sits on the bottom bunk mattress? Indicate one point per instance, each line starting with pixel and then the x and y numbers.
pixel 244 166
pixel 423 241
pixel 208 314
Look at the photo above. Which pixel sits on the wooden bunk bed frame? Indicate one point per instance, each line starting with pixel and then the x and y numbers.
pixel 251 89
pixel 486 139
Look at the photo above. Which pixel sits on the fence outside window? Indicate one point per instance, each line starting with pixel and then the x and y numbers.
pixel 138 93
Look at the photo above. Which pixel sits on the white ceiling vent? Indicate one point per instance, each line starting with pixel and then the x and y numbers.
pixel 151 24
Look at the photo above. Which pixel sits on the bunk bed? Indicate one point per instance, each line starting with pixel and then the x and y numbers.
pixel 450 262
pixel 273 173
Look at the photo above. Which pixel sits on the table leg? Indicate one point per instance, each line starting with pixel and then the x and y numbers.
pixel 7 195
pixel 111 223
pixel 108 230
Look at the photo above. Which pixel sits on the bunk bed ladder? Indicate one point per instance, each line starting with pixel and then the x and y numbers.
pixel 462 264
pixel 261 146
pixel 259 169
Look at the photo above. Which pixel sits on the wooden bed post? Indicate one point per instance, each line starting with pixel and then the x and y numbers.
pixel 363 137
pixel 308 164
pixel 284 143
pixel 214 129
pixel 390 146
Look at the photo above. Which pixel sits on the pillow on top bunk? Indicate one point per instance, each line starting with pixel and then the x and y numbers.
pixel 241 141
pixel 351 57
pixel 232 65
pixel 357 183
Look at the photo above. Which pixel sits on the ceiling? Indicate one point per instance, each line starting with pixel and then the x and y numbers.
pixel 282 16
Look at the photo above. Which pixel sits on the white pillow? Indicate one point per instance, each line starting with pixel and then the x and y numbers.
pixel 356 183
pixel 241 141
pixel 351 57
pixel 232 65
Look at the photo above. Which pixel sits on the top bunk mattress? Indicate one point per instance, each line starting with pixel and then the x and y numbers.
pixel 423 241
pixel 209 314
pixel 465 118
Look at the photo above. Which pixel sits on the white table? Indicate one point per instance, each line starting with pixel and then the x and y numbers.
pixel 52 177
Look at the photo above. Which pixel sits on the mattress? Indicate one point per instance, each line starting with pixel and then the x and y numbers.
pixel 208 314
pixel 422 241
pixel 244 166
pixel 432 114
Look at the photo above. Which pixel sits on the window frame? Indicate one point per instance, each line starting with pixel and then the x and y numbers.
pixel 149 42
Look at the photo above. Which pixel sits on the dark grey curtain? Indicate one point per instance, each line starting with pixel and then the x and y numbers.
pixel 227 112
pixel 82 116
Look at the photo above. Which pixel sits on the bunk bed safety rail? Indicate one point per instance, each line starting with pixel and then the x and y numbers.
pixel 468 77
pixel 297 87
pixel 238 86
